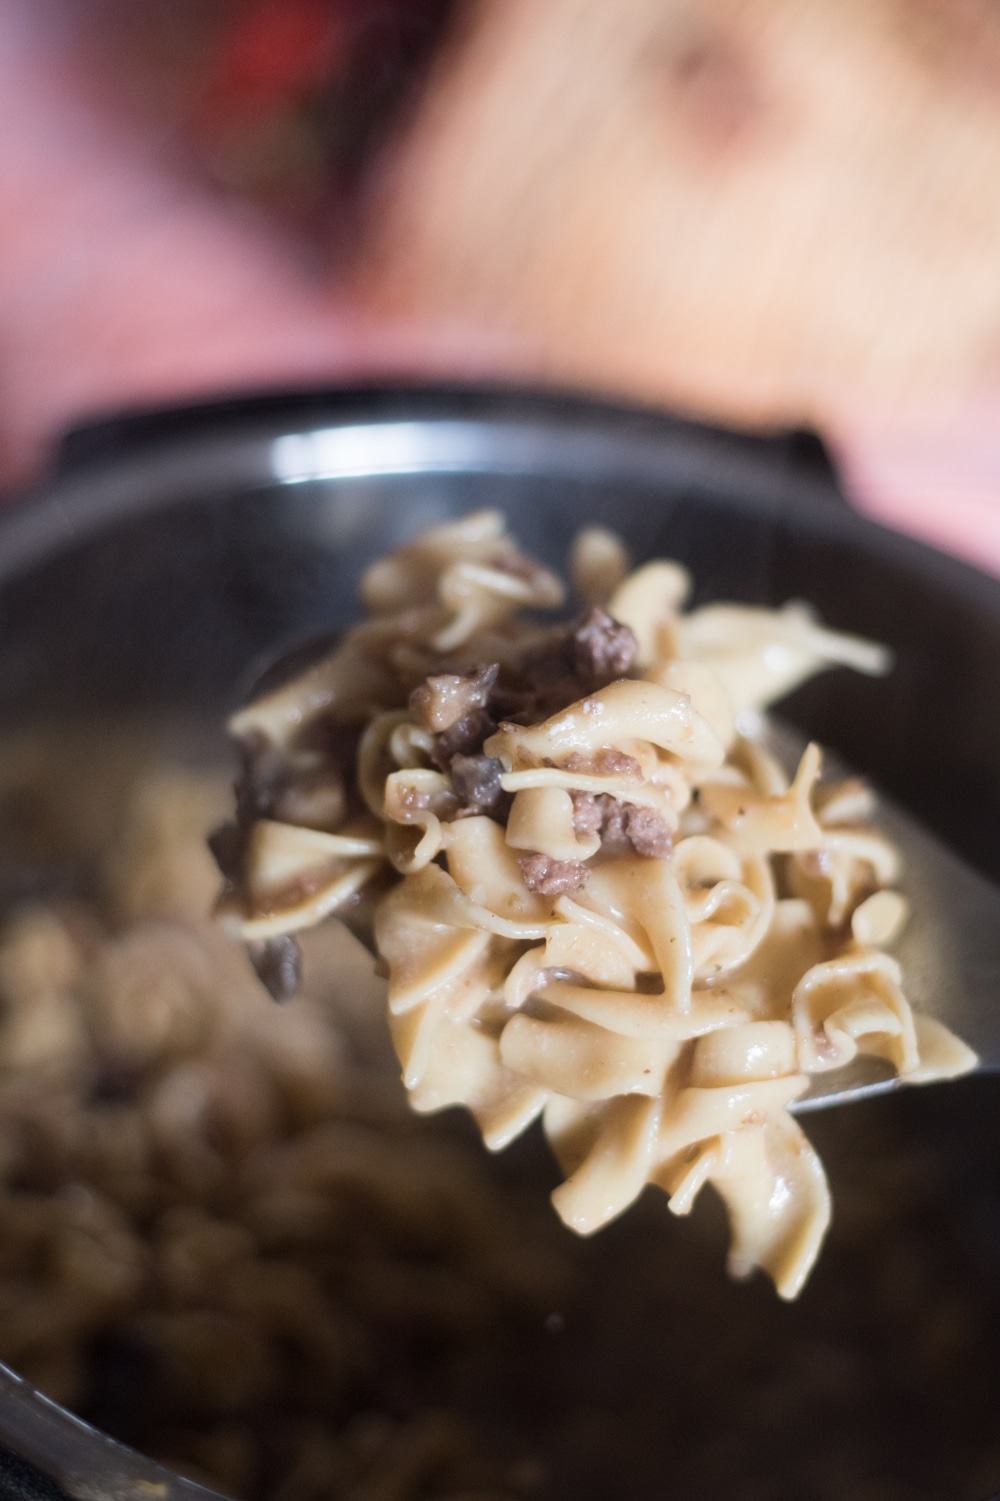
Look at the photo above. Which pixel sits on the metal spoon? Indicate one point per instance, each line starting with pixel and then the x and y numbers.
pixel 949 950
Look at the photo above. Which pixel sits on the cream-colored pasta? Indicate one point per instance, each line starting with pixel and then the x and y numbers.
pixel 598 563
pixel 603 901
pixel 762 654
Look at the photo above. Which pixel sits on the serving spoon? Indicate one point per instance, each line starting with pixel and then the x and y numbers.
pixel 949 950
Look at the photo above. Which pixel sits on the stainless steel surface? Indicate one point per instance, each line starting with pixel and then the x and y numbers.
pixel 86 1464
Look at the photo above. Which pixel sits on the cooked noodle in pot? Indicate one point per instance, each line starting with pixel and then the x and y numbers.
pixel 223 1236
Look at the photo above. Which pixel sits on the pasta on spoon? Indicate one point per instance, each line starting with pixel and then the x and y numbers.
pixel 597 898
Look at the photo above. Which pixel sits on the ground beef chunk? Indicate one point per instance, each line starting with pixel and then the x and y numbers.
pixel 602 649
pixel 606 762
pixel 278 962
pixel 648 833
pixel 624 828
pixel 552 877
pixel 476 780
pixel 614 825
pixel 443 701
pixel 588 813
pixel 609 762
pixel 571 662
pixel 464 738
pixel 540 684
pixel 575 660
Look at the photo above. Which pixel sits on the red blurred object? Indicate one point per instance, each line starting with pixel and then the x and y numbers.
pixel 275 52
pixel 125 279
pixel 290 99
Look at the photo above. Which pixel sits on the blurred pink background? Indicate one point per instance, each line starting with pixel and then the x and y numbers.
pixel 128 276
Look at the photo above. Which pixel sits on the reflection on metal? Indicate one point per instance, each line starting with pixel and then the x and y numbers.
pixel 87 1464
pixel 382 448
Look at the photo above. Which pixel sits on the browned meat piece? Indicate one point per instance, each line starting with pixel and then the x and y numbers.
pixel 278 962
pixel 614 825
pixel 609 762
pixel 576 660
pixel 442 701
pixel 602 649
pixel 606 762
pixel 648 833
pixel 476 780
pixel 540 688
pixel 588 813
pixel 552 877
pixel 623 827
pixel 464 738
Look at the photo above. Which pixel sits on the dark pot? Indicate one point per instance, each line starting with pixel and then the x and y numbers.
pixel 169 554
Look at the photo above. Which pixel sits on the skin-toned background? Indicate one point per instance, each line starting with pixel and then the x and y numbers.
pixel 127 277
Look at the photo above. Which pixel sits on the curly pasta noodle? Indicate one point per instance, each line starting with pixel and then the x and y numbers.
pixel 597 897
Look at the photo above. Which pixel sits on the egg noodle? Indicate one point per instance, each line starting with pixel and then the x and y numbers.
pixel 598 898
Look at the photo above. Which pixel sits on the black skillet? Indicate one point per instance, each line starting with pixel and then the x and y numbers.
pixel 169 553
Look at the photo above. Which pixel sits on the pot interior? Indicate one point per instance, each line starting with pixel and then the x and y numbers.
pixel 651 1373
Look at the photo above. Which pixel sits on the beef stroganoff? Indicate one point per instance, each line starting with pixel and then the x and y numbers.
pixel 598 898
